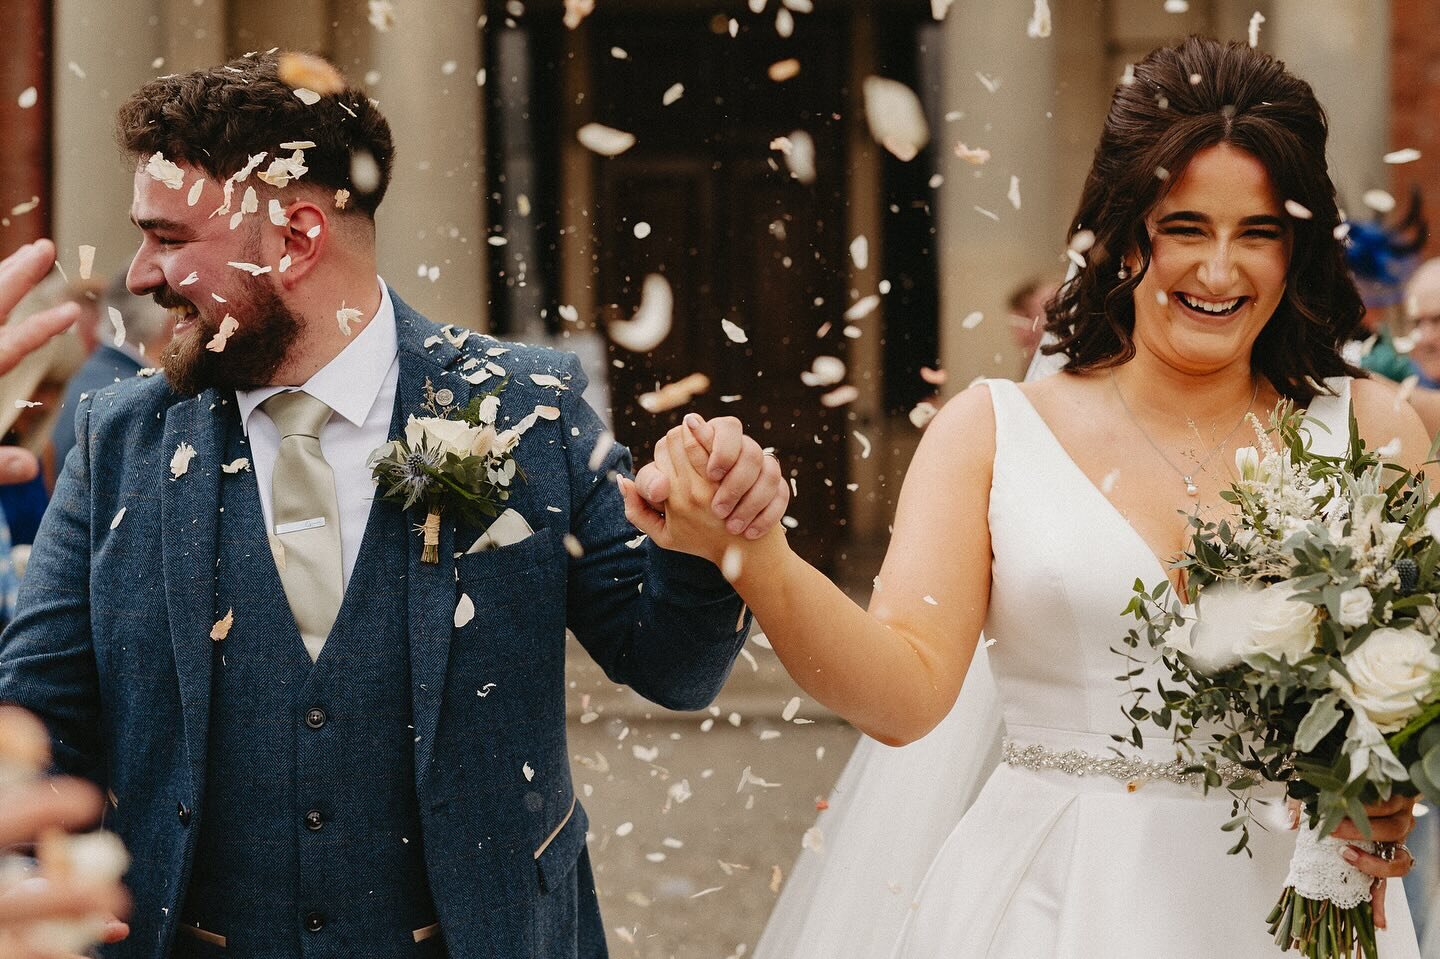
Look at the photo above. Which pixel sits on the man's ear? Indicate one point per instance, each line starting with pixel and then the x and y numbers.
pixel 306 233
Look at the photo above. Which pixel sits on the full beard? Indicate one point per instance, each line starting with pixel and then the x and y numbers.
pixel 252 355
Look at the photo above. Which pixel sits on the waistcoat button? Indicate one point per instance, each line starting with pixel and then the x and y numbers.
pixel 183 812
pixel 315 921
pixel 313 820
pixel 315 717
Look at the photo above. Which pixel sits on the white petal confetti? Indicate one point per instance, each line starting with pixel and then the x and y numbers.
pixel 1407 155
pixel 382 15
pixel 606 141
pixel 674 395
pixel 1378 200
pixel 782 70
pixel 166 172
pixel 1039 25
pixel 862 307
pixel 251 268
pixel 865 445
pixel 860 252
pixel 813 840
pixel 624 829
pixel 180 462
pixel 840 396
pixel 824 371
pixel 114 523
pixel 972 320
pixel 896 119
pixel 791 708
pixel 464 610
pixel 545 379
pixel 227 329
pixel 1253 30
pixel 87 261
pixel 190 279
pixel 277 213
pixel 345 316
pixel 798 149
pixel 672 93
pixel 28 98
pixel 307 96
pixel 990 83
pixel 1014 195
pixel 972 155
pixel 733 332
pixel 1297 210
pixel 240 465
pixel 923 413
pixel 117 323
pixel 652 320
pixel 529 773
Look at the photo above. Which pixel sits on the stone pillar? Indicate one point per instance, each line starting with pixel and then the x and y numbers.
pixel 425 70
pixel 1342 47
pixel 986 245
pixel 115 46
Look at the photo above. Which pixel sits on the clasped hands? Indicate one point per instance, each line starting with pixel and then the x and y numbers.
pixel 1390 821
pixel 709 487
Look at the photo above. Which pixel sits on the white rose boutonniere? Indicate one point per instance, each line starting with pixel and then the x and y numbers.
pixel 1391 674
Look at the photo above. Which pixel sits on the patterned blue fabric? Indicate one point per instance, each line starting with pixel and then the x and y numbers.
pixel 24 505
pixel 9 582
pixel 111 646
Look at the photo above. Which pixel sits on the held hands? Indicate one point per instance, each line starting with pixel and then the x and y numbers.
pixel 1390 822
pixel 709 487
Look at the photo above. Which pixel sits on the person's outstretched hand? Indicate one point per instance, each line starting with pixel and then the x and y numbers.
pixel 19 272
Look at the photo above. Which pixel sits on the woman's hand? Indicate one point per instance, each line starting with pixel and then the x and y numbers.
pixel 1390 822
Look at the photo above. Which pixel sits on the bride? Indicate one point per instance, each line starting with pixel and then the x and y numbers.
pixel 1214 287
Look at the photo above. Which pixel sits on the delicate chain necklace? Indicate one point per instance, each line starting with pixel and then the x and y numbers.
pixel 1190 487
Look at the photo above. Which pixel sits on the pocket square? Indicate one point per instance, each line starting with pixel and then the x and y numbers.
pixel 508 529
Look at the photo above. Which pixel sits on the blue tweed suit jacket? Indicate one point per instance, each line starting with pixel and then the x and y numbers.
pixel 111 644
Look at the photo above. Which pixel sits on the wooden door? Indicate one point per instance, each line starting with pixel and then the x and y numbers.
pixel 735 235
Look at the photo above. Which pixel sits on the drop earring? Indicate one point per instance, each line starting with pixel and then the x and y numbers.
pixel 1124 272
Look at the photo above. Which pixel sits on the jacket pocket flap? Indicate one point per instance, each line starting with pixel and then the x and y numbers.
pixel 558 854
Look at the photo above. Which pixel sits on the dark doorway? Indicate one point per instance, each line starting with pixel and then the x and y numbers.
pixel 737 237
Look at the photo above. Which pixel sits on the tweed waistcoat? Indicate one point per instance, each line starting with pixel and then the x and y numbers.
pixel 309 831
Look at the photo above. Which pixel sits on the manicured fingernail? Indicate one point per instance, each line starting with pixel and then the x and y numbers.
pixel 16 472
pixel 1350 854
pixel 694 421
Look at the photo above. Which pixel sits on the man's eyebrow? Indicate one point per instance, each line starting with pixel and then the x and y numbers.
pixel 161 223
pixel 1191 216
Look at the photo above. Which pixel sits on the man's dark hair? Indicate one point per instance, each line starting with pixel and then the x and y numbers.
pixel 216 119
pixel 1181 100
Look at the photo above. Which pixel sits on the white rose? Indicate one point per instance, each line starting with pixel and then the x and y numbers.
pixel 1355 607
pixel 452 436
pixel 1179 637
pixel 1391 674
pixel 1222 616
pixel 1280 626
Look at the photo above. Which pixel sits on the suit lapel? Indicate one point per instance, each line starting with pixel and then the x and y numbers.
pixel 431 596
pixel 189 507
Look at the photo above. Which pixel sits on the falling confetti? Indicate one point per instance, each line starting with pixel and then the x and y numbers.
pixel 165 171
pixel 1407 155
pixel 115 523
pixel 382 15
pixel 896 118
pixel 972 320
pixel 223 625
pixel 651 323
pixel 180 462
pixel 782 70
pixel 922 414
pixel 238 466
pixel 117 323
pixel 1256 19
pixel 1014 195
pixel 975 155
pixel 733 332
pixel 576 11
pixel 1177 6
pixel 862 307
pixel 990 83
pixel 309 76
pixel 28 98
pixel 345 316
pixel 672 93
pixel 529 773
pixel 840 396
pixel 824 371
pixel 798 149
pixel 932 376
pixel 860 252
pixel 674 395
pixel 1379 200
pixel 606 141
pixel 227 329
pixel 1039 25
pixel 464 610
pixel 87 261
pixel 1297 210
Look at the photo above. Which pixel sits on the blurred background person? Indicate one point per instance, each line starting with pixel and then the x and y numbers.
pixel 1027 317
pixel 1422 299
pixel 148 327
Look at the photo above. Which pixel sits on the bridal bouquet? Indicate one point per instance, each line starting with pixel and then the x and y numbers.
pixel 1308 657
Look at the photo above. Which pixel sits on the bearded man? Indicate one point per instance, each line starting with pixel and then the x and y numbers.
pixel 319 735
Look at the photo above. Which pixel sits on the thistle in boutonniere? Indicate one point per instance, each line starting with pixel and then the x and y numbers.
pixel 453 460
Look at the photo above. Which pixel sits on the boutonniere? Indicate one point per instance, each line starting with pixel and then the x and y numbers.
pixel 452 461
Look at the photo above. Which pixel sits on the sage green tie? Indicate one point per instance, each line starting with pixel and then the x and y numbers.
pixel 307 517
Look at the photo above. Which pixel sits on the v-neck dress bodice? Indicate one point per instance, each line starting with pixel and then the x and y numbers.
pixel 1046 863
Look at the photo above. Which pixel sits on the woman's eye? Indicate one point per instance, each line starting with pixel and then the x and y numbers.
pixel 1181 231
pixel 1263 234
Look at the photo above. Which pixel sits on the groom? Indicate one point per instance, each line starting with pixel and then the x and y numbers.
pixel 313 741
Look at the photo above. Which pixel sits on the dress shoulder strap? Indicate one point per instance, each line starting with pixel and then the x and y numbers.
pixel 1331 412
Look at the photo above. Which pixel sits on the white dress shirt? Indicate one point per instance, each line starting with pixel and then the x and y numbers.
pixel 359 385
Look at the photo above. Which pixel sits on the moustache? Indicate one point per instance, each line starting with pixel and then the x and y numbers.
pixel 169 298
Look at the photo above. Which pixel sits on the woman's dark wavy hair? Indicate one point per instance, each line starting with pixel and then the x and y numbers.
pixel 215 119
pixel 1157 122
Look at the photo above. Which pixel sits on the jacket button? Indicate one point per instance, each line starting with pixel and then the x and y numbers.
pixel 314 921
pixel 183 812
pixel 315 717
pixel 314 821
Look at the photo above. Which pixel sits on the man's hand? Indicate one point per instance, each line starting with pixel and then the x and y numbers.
pixel 19 272
pixel 752 494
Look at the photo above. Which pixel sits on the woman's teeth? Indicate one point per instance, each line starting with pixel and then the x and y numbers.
pixel 1217 308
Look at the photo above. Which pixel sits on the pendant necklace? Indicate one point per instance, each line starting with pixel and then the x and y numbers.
pixel 1189 478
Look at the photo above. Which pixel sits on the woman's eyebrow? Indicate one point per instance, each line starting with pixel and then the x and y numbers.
pixel 1191 216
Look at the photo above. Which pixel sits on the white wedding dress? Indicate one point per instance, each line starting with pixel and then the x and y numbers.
pixel 1043 863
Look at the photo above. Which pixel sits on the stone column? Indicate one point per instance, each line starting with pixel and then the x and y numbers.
pixel 986 245
pixel 434 215
pixel 1342 47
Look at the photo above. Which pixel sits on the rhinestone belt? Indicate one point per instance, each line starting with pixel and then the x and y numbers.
pixel 1127 769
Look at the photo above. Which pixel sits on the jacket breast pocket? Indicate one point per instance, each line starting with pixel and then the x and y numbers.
pixel 530 552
